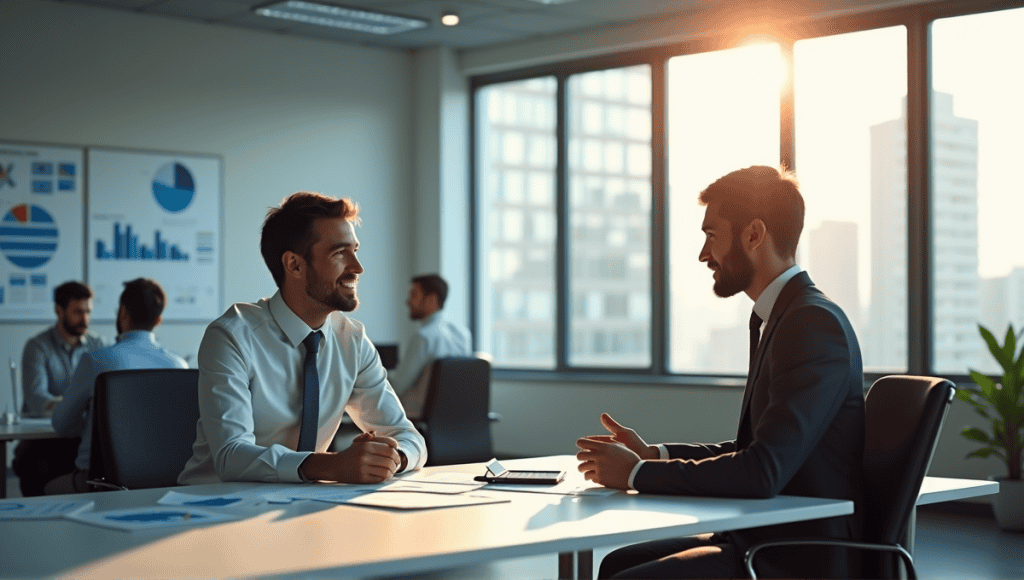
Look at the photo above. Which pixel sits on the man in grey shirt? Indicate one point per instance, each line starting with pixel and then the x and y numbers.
pixel 47 364
pixel 435 338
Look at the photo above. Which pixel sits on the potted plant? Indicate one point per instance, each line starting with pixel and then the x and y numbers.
pixel 1001 401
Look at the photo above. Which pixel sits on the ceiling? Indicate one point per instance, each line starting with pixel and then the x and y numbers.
pixel 483 22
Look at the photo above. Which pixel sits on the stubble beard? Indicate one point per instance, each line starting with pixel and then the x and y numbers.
pixel 735 273
pixel 74 329
pixel 329 294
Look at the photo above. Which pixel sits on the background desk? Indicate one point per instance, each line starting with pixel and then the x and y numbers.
pixel 25 429
pixel 320 539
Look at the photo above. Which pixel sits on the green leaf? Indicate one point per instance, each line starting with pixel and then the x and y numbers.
pixel 994 347
pixel 983 453
pixel 975 434
pixel 1010 344
pixel 988 386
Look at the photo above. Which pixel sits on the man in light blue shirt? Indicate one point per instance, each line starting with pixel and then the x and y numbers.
pixel 435 338
pixel 141 305
pixel 276 376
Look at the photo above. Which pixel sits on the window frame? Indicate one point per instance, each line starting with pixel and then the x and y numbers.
pixel 917 20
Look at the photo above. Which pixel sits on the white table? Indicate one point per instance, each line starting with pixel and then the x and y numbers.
pixel 24 429
pixel 319 539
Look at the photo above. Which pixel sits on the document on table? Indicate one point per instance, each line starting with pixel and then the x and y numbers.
pixel 228 500
pixel 40 510
pixel 147 518
pixel 417 501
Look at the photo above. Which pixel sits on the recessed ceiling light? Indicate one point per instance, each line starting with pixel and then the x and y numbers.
pixel 337 16
pixel 449 19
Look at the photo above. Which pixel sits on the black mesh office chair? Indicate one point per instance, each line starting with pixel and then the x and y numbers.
pixel 144 426
pixel 903 417
pixel 455 420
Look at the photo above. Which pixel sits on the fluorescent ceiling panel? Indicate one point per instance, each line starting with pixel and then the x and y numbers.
pixel 341 17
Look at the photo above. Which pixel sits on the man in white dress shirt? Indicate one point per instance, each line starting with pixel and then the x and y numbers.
pixel 435 338
pixel 255 366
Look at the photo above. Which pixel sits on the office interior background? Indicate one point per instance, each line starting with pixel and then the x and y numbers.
pixel 547 164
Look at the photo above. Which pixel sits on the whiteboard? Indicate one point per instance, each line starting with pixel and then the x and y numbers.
pixel 41 226
pixel 155 215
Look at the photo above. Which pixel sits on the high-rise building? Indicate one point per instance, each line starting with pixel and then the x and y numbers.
pixel 955 280
pixel 833 265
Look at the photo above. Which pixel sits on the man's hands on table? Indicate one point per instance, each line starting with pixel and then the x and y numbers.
pixel 609 459
pixel 370 459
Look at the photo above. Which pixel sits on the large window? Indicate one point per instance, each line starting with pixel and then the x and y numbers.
pixel 587 175
pixel 977 151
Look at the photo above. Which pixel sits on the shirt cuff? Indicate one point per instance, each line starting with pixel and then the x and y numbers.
pixel 633 473
pixel 663 451
pixel 290 463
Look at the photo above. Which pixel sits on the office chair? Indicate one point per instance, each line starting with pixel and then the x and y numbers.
pixel 903 417
pixel 144 426
pixel 456 420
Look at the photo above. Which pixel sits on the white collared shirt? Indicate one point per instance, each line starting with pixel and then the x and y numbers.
pixel 250 394
pixel 763 308
pixel 436 338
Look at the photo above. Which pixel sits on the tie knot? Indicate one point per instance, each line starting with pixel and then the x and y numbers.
pixel 312 342
pixel 755 321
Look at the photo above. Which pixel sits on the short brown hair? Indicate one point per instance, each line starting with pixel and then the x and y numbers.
pixel 289 226
pixel 68 291
pixel 144 299
pixel 433 284
pixel 769 193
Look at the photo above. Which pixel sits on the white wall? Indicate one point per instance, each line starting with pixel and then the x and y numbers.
pixel 284 113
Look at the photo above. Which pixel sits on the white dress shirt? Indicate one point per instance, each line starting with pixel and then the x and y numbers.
pixel 435 338
pixel 250 394
pixel 763 308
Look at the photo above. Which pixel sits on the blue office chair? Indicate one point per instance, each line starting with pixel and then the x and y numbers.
pixel 144 426
pixel 903 418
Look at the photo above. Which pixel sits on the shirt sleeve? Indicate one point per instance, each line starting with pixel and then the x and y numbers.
pixel 226 413
pixel 374 406
pixel 412 359
pixel 69 416
pixel 35 381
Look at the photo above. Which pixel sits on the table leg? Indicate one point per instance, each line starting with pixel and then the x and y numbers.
pixel 585 565
pixel 3 480
pixel 565 565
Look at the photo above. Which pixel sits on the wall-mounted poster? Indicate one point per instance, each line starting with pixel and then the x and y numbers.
pixel 155 215
pixel 41 225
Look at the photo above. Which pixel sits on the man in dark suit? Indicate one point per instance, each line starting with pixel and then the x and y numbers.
pixel 801 428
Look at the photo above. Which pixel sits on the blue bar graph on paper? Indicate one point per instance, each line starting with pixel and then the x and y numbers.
pixel 126 246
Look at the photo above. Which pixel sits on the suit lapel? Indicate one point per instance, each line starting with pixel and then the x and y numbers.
pixel 788 293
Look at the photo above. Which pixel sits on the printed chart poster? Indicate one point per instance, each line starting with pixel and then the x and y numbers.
pixel 158 216
pixel 41 228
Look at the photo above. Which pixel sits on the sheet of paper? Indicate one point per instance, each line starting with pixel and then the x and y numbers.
pixel 147 518
pixel 564 488
pixel 49 510
pixel 228 500
pixel 452 477
pixel 430 487
pixel 418 501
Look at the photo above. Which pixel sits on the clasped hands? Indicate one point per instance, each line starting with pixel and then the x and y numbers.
pixel 370 459
pixel 609 459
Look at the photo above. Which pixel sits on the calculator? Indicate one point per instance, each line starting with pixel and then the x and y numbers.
pixel 497 473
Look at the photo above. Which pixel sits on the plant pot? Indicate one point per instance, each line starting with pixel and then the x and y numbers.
pixel 1008 504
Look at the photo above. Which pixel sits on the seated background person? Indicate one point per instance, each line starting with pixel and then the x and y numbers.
pixel 276 377
pixel 141 305
pixel 47 363
pixel 435 338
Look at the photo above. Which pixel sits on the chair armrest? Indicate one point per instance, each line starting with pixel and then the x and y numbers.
pixel 493 417
pixel 748 558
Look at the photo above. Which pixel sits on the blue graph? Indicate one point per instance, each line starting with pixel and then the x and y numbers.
pixel 126 246
pixel 28 236
pixel 173 187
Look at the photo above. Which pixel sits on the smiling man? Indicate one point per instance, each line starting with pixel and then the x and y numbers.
pixel 275 377
pixel 801 429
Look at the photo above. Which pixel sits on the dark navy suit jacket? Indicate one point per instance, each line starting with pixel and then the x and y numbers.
pixel 801 432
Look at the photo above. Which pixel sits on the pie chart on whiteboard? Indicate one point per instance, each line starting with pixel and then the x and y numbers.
pixel 28 236
pixel 173 187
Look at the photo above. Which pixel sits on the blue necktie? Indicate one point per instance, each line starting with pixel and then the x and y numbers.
pixel 310 394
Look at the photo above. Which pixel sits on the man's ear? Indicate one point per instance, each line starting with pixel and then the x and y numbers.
pixel 293 264
pixel 755 235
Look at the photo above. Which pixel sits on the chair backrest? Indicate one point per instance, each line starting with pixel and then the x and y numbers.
pixel 456 410
pixel 903 417
pixel 144 426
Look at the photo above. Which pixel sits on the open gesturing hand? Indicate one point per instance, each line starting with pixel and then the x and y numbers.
pixel 627 437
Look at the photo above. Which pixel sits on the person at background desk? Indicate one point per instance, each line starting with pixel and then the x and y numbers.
pixel 139 312
pixel 47 363
pixel 435 338
pixel 275 377
pixel 801 428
